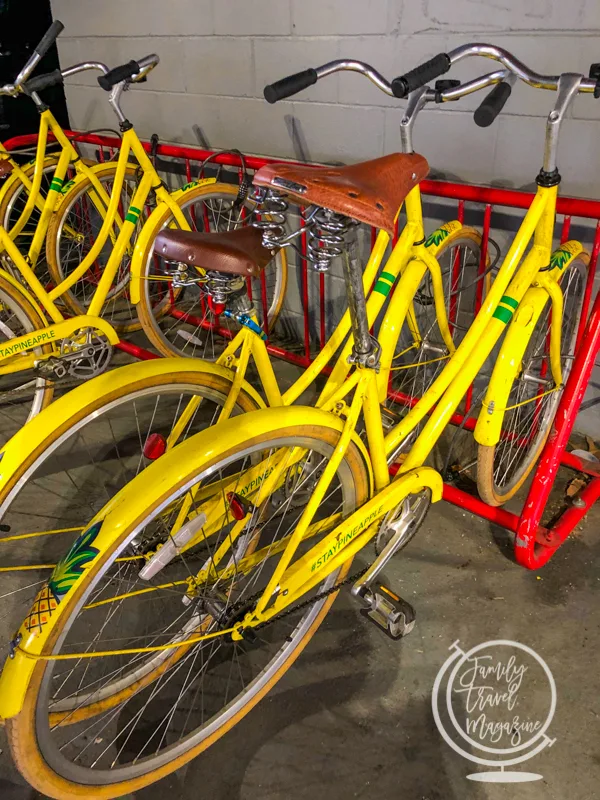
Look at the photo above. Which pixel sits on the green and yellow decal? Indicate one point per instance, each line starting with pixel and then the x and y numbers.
pixel 385 283
pixel 506 308
pixel 565 254
pixel 133 214
pixel 56 184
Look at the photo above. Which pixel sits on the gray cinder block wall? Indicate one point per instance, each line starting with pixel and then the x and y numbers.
pixel 216 56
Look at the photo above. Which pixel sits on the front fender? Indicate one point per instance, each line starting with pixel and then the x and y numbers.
pixel 127 511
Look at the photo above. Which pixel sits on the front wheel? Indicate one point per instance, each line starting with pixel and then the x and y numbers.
pixel 22 394
pixel 170 708
pixel 503 468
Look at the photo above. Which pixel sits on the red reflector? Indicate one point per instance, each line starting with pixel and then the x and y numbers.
pixel 238 509
pixel 155 446
pixel 216 308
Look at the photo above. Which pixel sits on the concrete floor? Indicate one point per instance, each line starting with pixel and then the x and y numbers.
pixel 353 717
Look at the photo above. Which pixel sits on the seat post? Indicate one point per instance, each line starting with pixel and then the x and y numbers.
pixel 363 350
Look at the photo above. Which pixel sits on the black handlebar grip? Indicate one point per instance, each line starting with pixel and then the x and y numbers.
pixel 293 84
pixel 492 105
pixel 419 76
pixel 49 37
pixel 43 81
pixel 118 74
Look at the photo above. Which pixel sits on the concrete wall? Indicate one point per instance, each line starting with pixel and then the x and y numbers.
pixel 217 55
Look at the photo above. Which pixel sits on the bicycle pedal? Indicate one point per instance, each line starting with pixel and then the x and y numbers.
pixel 388 611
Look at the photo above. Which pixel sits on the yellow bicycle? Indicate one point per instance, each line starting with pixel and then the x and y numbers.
pixel 99 436
pixel 80 346
pixel 192 592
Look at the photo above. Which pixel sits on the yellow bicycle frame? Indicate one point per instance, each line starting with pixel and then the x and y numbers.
pixel 46 205
pixel 109 206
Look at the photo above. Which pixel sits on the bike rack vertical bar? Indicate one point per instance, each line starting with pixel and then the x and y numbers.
pixel 589 287
pixel 566 227
pixel 304 289
pixel 531 549
pixel 455 273
pixel 485 235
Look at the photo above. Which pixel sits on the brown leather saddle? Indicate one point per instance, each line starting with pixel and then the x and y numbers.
pixel 371 192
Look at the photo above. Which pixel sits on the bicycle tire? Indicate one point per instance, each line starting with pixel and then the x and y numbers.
pixel 56 241
pixel 29 745
pixel 152 314
pixel 30 320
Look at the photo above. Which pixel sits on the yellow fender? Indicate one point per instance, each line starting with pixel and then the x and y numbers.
pixel 523 317
pixel 129 508
pixel 436 239
pixel 149 232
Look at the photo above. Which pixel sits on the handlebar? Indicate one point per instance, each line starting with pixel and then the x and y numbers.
pixel 133 71
pixel 508 61
pixel 293 84
pixel 40 51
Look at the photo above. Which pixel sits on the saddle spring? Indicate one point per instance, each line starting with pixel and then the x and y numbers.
pixel 270 216
pixel 326 237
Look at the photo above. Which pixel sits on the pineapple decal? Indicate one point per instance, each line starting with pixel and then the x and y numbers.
pixel 65 574
pixel 438 236
pixel 559 258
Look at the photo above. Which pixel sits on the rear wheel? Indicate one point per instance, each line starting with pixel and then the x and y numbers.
pixel 63 478
pixel 503 468
pixel 179 321
pixel 419 361
pixel 213 683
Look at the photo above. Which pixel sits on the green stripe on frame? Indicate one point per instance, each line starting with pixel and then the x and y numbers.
pixel 129 217
pixel 56 184
pixel 503 314
pixel 134 210
pixel 509 301
pixel 381 287
pixel 387 276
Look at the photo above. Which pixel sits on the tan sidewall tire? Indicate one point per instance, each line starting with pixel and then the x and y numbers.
pixel 78 190
pixel 145 314
pixel 28 169
pixel 21 729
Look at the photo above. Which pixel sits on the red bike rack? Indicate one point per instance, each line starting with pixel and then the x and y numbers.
pixel 534 543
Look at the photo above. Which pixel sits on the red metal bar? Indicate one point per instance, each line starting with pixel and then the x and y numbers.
pixel 498 516
pixel 528 550
pixel 589 287
pixel 455 274
pixel 304 289
pixel 485 236
pixel 580 464
pixel 322 337
pixel 566 227
pixel 135 351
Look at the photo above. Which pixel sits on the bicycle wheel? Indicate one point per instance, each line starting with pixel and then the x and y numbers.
pixel 84 449
pixel 196 697
pixel 417 363
pixel 179 322
pixel 14 199
pixel 22 394
pixel 65 251
pixel 503 468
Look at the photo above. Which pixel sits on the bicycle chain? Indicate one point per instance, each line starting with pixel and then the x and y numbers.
pixel 304 604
